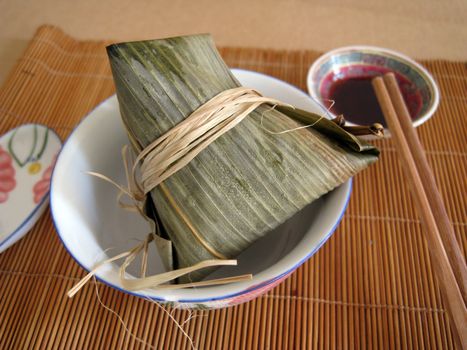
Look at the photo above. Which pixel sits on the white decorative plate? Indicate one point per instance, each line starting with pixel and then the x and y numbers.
pixel 27 155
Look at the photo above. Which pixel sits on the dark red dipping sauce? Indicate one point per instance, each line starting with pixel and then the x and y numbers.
pixel 355 99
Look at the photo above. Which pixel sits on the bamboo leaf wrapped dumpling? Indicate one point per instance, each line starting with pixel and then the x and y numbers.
pixel 246 182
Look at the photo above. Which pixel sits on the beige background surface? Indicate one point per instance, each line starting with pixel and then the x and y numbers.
pixel 419 28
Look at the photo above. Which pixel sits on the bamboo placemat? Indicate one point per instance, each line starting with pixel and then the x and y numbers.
pixel 370 286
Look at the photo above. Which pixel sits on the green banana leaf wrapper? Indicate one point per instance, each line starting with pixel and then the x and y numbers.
pixel 245 183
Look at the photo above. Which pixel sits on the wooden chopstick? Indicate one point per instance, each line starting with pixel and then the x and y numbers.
pixel 421 185
pixel 428 180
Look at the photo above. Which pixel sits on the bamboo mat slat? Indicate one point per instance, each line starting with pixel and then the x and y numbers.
pixel 371 286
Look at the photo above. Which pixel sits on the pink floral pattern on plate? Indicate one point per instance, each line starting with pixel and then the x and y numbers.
pixel 41 188
pixel 243 298
pixel 7 175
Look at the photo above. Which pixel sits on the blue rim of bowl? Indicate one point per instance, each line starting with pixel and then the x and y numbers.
pixel 206 300
pixel 431 83
pixel 44 199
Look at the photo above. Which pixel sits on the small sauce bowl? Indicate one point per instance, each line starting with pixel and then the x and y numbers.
pixel 341 81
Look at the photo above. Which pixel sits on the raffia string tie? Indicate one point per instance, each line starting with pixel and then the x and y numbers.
pixel 160 280
pixel 177 147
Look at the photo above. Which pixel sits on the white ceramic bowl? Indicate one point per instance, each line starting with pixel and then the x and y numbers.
pixel 89 221
pixel 415 81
